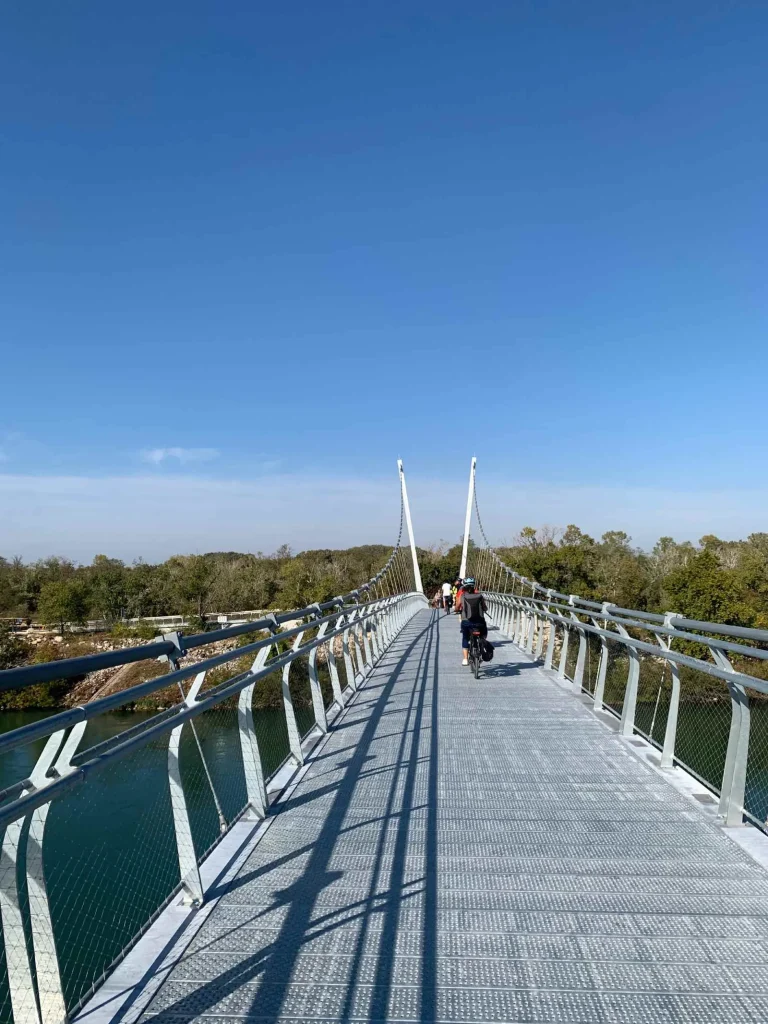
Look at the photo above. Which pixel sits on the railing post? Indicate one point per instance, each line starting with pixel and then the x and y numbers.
pixel 374 632
pixel 383 616
pixel 670 732
pixel 528 633
pixel 20 984
pixel 334 674
pixel 629 707
pixel 294 739
pixel 533 622
pixel 189 871
pixel 318 704
pixel 549 656
pixel 395 617
pixel 255 788
pixel 563 650
pixel 49 989
pixel 506 616
pixel 520 622
pixel 349 668
pixel 24 1002
pixel 578 675
pixel 603 666
pixel 361 644
pixel 540 637
pixel 393 613
pixel 366 646
pixel 731 806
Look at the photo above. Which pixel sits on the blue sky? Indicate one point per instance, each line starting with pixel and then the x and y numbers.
pixel 257 252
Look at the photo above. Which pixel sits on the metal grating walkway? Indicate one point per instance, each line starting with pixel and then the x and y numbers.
pixel 462 851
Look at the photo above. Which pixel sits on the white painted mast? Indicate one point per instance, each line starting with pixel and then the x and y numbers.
pixel 409 524
pixel 468 519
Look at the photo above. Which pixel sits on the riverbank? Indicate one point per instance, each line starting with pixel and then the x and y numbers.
pixel 62 694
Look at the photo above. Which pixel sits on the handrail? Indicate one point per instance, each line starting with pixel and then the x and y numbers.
pixel 607 612
pixel 64 719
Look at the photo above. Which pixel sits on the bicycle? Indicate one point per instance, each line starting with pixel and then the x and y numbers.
pixel 476 651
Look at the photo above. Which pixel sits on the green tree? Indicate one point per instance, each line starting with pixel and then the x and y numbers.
pixel 622 577
pixel 438 565
pixel 304 580
pixel 702 589
pixel 63 601
pixel 108 588
pixel 148 590
pixel 192 578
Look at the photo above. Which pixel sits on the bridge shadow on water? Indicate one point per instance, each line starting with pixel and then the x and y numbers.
pixel 268 973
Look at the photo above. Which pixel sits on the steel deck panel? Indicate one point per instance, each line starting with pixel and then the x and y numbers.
pixel 480 851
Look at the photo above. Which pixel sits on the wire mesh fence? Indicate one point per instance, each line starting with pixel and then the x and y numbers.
pixel 572 652
pixel 591 664
pixel 756 791
pixel 653 694
pixel 616 672
pixel 324 677
pixel 703 725
pixel 108 877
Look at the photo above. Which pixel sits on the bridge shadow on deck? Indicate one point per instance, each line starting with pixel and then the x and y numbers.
pixel 269 972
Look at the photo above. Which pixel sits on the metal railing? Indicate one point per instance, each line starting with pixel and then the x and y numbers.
pixel 155 621
pixel 697 691
pixel 112 814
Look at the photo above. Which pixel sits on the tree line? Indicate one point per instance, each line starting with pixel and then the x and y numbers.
pixel 56 590
pixel 718 580
pixel 715 580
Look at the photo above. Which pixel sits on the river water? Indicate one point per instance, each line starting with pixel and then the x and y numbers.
pixel 109 849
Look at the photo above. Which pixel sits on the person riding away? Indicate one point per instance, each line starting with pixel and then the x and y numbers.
pixel 473 609
pixel 447 598
pixel 458 587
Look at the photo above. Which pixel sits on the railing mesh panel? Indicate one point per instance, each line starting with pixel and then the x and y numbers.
pixel 705 710
pixel 616 676
pixel 109 875
pixel 756 793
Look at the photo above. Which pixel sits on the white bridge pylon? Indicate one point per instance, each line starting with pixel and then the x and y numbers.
pixel 467 520
pixel 409 524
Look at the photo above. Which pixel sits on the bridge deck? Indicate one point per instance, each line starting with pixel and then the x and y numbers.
pixel 490 851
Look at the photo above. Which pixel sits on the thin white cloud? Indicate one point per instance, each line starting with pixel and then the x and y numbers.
pixel 183 455
pixel 156 516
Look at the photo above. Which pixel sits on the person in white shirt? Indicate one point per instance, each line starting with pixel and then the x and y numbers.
pixel 447 598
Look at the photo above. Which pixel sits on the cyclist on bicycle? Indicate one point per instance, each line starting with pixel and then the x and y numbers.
pixel 473 609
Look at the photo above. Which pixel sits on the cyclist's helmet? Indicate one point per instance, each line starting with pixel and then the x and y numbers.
pixel 469 581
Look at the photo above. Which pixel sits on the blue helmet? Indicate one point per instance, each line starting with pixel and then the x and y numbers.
pixel 469 581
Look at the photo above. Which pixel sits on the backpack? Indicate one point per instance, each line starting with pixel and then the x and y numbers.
pixel 487 654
